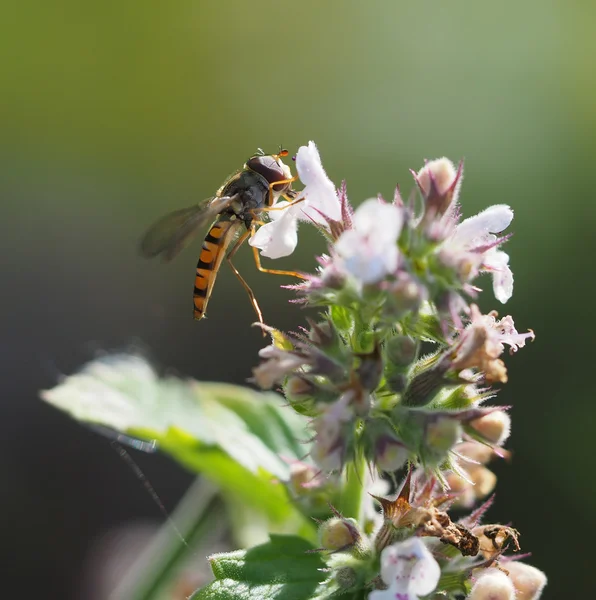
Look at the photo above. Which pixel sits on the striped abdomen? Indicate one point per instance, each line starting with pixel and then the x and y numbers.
pixel 216 243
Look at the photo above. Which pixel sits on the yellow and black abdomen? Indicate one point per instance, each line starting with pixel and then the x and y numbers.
pixel 214 249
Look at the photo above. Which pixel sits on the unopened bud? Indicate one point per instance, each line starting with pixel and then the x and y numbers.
pixel 476 451
pixel 397 382
pixel 484 481
pixel 333 278
pixel 492 584
pixel 390 454
pixel 297 388
pixel 407 293
pixel 299 392
pixel 401 350
pixel 527 580
pixel 370 369
pixel 494 427
pixel 424 386
pixel 441 436
pixel 439 181
pixel 302 477
pixel 338 533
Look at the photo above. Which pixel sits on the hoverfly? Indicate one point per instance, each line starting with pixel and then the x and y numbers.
pixel 236 206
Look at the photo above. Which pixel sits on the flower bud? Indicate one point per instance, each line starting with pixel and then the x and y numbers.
pixel 492 584
pixel 401 350
pixel 396 381
pixel 494 427
pixel 370 369
pixel 424 386
pixel 391 454
pixel 441 435
pixel 476 451
pixel 300 392
pixel 527 580
pixel 338 533
pixel 333 278
pixel 439 181
pixel 483 483
pixel 302 477
pixel 407 294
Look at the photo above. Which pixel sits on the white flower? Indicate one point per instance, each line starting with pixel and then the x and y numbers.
pixel 473 246
pixel 410 571
pixel 492 584
pixel 279 237
pixel 527 580
pixel 369 252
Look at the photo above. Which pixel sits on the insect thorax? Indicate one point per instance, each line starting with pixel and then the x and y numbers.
pixel 252 190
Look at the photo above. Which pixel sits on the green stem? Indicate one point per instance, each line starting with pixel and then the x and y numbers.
pixel 157 567
pixel 353 490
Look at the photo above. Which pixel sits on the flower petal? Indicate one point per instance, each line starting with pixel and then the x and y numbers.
pixel 319 189
pixel 497 262
pixel 279 237
pixel 409 567
pixel 492 220
pixel 379 220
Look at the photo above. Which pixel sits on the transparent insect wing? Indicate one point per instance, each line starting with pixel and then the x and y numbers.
pixel 170 234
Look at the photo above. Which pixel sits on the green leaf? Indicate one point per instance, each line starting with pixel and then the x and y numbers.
pixel 232 435
pixel 280 569
pixel 342 318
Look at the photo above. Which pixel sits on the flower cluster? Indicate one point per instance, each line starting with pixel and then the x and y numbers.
pixel 395 373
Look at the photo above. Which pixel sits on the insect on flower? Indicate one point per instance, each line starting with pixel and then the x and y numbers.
pixel 236 206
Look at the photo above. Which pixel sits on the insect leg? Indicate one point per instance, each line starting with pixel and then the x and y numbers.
pixel 280 182
pixel 258 259
pixel 245 285
pixel 292 203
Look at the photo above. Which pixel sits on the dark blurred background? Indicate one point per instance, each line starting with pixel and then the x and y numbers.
pixel 113 113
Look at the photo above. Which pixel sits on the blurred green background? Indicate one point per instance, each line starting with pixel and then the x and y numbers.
pixel 113 113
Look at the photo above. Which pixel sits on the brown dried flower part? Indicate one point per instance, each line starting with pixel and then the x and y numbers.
pixel 481 344
pixel 477 351
pixel 426 519
pixel 441 526
pixel 496 539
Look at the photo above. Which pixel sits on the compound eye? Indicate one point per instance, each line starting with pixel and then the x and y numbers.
pixel 270 169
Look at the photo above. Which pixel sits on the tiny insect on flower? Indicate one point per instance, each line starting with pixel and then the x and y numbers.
pixel 317 200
